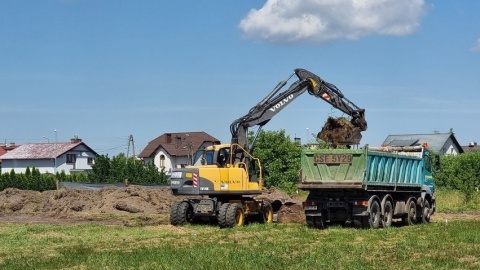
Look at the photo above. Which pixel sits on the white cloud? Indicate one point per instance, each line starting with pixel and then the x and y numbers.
pixel 319 21
pixel 476 47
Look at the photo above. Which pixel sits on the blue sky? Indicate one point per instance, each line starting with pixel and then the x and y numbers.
pixel 103 70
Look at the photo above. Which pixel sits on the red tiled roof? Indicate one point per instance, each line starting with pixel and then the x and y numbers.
pixel 177 144
pixel 5 149
pixel 42 150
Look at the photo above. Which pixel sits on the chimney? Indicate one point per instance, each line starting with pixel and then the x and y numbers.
pixel 75 140
pixel 169 138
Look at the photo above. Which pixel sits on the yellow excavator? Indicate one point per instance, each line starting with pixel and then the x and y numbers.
pixel 221 184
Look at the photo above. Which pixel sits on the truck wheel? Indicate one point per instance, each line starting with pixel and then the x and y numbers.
pixel 266 216
pixel 317 222
pixel 411 217
pixel 387 214
pixel 181 213
pixel 425 213
pixel 361 222
pixel 320 223
pixel 374 220
pixel 234 216
pixel 222 215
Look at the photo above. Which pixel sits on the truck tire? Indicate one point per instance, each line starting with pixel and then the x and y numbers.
pixel 425 213
pixel 387 214
pixel 317 222
pixel 361 222
pixel 411 217
pixel 374 218
pixel 234 215
pixel 266 216
pixel 181 213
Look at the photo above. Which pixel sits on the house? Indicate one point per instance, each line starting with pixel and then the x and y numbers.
pixel 472 147
pixel 174 150
pixel 71 157
pixel 443 143
pixel 5 149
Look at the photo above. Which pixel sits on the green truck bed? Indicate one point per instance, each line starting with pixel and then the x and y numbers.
pixel 367 168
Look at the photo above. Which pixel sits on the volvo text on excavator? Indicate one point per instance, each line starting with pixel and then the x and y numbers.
pixel 224 179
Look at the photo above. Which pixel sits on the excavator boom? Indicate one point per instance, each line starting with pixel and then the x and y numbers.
pixel 335 132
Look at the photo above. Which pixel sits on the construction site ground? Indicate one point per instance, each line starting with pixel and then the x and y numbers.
pixel 133 206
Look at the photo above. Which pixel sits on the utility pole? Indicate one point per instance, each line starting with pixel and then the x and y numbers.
pixel 132 143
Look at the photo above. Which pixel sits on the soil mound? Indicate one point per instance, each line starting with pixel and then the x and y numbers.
pixel 113 205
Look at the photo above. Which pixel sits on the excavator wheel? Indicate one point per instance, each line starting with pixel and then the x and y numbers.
pixel 222 215
pixel 181 213
pixel 231 215
pixel 266 216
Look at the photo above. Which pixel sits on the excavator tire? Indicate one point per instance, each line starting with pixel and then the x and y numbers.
pixel 234 215
pixel 267 213
pixel 222 215
pixel 181 213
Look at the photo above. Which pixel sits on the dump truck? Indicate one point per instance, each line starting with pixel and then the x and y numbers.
pixel 222 182
pixel 368 187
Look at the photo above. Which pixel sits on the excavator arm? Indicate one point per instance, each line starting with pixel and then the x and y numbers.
pixel 275 101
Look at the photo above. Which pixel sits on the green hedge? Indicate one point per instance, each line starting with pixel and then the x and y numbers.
pixel 32 179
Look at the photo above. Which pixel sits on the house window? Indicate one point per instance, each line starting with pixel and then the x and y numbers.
pixel 89 161
pixel 71 158
pixel 162 161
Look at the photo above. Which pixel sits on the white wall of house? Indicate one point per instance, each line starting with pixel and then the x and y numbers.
pixel 20 165
pixel 449 148
pixel 162 159
pixel 82 156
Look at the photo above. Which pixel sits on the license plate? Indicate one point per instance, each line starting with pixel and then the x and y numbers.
pixel 333 158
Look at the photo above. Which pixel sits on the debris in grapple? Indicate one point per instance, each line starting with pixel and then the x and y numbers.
pixel 339 131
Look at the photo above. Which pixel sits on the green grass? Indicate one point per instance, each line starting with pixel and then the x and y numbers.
pixel 452 200
pixel 439 245
pixel 273 246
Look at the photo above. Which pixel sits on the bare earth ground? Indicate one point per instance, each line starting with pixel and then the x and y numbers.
pixel 132 206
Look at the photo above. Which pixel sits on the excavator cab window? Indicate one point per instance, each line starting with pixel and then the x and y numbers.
pixel 222 158
pixel 207 158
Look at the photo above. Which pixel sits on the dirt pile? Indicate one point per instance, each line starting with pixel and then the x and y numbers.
pixel 113 205
pixel 339 131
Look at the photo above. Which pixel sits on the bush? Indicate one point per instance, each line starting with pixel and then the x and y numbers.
pixel 31 180
pixel 461 172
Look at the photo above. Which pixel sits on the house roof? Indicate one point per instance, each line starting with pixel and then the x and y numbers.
pixel 43 150
pixel 177 144
pixel 435 141
pixel 5 149
pixel 471 148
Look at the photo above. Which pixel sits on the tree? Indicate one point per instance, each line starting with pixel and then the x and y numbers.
pixel 119 168
pixel 280 158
